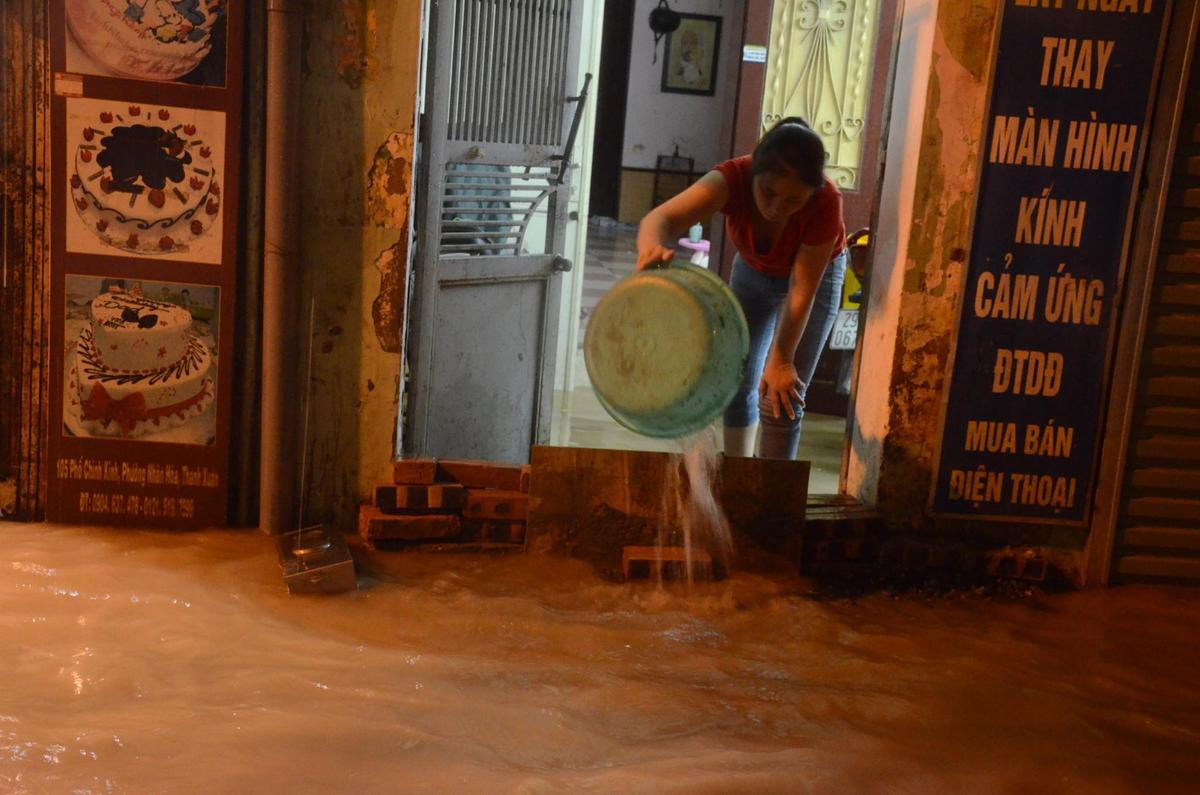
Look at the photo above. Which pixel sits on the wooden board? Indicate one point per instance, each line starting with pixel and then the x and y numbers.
pixel 592 503
pixel 765 500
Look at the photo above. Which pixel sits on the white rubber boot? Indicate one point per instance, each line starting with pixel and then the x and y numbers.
pixel 739 442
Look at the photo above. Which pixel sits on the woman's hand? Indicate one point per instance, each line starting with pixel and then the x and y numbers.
pixel 667 221
pixel 654 256
pixel 781 385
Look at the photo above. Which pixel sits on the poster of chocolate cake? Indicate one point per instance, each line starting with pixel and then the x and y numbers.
pixel 140 360
pixel 161 40
pixel 145 180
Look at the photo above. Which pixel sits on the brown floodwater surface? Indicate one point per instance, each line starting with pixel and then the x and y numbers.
pixel 149 662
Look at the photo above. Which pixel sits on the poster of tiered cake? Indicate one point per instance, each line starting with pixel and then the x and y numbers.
pixel 168 40
pixel 145 180
pixel 144 117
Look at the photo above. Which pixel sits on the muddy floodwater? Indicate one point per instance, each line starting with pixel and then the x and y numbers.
pixel 144 662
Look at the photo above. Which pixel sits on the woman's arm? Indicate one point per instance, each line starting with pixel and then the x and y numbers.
pixel 780 383
pixel 673 217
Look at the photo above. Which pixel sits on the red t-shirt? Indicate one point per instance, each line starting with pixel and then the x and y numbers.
pixel 817 222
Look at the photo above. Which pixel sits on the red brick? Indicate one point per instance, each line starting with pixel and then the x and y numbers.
pixel 415 471
pixel 496 504
pixel 376 526
pixel 493 530
pixel 481 474
pixel 652 560
pixel 439 498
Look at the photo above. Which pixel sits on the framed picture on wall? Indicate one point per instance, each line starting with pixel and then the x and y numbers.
pixel 690 65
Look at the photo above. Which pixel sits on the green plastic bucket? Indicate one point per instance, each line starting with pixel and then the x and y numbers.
pixel 665 350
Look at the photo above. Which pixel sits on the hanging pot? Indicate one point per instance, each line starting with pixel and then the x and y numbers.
pixel 663 20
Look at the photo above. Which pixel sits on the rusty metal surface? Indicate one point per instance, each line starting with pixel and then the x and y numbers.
pixel 316 560
pixel 24 286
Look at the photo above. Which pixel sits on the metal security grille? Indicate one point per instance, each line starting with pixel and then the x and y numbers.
pixel 487 208
pixel 1158 530
pixel 510 61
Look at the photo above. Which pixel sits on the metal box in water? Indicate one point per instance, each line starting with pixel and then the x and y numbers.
pixel 316 560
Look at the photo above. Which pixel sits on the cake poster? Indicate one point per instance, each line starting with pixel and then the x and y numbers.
pixel 145 114
pixel 144 180
pixel 140 360
pixel 159 40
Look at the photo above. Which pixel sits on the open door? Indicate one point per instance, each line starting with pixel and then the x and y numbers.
pixel 494 183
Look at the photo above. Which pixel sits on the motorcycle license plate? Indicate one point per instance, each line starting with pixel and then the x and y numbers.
pixel 845 330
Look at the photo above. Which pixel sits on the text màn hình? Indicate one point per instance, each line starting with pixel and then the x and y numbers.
pixel 1096 6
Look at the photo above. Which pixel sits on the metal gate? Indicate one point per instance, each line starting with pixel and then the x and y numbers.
pixel 494 174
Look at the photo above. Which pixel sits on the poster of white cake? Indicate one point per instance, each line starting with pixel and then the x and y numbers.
pixel 160 40
pixel 144 180
pixel 140 360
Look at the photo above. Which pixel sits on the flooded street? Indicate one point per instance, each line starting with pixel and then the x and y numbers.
pixel 141 662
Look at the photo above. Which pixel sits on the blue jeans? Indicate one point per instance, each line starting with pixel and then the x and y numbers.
pixel 761 297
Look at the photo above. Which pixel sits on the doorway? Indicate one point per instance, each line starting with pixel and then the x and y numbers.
pixel 637 119
pixel 612 90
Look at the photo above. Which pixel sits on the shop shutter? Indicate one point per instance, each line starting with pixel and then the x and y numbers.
pixel 1158 531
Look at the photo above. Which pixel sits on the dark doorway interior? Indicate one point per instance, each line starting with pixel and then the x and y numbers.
pixel 611 95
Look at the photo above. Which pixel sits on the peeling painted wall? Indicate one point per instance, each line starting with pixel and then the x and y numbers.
pixel 915 299
pixel 358 94
pixel 947 176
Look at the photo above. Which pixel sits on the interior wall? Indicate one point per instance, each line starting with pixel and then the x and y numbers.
pixel 358 98
pixel 657 121
pixel 612 81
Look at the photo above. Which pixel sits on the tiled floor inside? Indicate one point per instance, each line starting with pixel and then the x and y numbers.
pixel 611 255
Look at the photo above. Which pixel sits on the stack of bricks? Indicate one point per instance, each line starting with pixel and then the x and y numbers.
pixel 447 501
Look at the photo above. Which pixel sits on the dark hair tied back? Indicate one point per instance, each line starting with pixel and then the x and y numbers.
pixel 791 145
